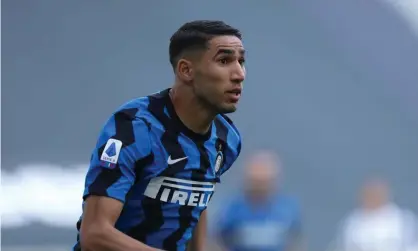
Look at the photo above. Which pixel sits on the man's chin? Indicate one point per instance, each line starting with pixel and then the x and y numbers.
pixel 230 108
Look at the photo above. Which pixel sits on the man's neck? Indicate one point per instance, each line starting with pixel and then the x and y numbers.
pixel 190 111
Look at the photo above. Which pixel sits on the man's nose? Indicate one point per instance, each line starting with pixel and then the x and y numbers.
pixel 239 74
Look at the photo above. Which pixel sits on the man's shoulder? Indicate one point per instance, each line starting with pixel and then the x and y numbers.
pixel 134 107
pixel 139 108
pixel 225 129
pixel 227 122
pixel 233 203
pixel 287 202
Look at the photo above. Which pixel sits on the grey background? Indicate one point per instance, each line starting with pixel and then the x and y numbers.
pixel 332 86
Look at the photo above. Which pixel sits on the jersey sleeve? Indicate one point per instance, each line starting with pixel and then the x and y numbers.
pixel 122 151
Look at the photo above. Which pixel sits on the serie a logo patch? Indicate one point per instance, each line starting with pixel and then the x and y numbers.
pixel 111 153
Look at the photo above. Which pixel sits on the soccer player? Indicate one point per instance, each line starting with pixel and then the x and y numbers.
pixel 158 158
pixel 262 217
pixel 378 223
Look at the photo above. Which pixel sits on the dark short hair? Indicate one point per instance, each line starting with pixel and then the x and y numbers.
pixel 196 34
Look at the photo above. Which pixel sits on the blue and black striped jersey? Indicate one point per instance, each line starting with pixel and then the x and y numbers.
pixel 164 173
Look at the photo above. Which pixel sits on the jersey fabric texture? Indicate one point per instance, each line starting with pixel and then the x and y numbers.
pixel 272 226
pixel 164 173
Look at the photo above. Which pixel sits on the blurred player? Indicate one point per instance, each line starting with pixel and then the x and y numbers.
pixel 378 224
pixel 261 219
pixel 158 158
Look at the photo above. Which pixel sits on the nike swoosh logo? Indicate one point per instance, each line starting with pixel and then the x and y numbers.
pixel 174 161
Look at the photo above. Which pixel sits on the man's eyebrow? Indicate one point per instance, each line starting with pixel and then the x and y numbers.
pixel 229 51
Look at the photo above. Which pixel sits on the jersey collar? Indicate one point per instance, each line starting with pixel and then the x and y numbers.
pixel 179 124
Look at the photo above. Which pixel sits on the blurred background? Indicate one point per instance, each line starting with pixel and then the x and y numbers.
pixel 332 89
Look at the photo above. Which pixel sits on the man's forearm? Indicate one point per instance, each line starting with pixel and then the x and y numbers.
pixel 198 241
pixel 295 244
pixel 110 239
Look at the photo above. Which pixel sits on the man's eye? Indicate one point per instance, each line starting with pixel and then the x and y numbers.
pixel 242 61
pixel 223 61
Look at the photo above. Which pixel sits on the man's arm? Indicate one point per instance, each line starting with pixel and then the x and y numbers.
pixel 295 240
pixel 198 241
pixel 295 243
pixel 226 226
pixel 98 231
pixel 122 142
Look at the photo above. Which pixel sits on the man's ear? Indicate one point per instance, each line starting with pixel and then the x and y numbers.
pixel 185 70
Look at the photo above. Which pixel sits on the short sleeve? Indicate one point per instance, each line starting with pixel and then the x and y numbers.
pixel 122 149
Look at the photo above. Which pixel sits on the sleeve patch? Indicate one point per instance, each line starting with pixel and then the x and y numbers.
pixel 111 152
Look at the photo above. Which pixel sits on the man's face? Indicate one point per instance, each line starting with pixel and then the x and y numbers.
pixel 374 194
pixel 261 179
pixel 219 74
